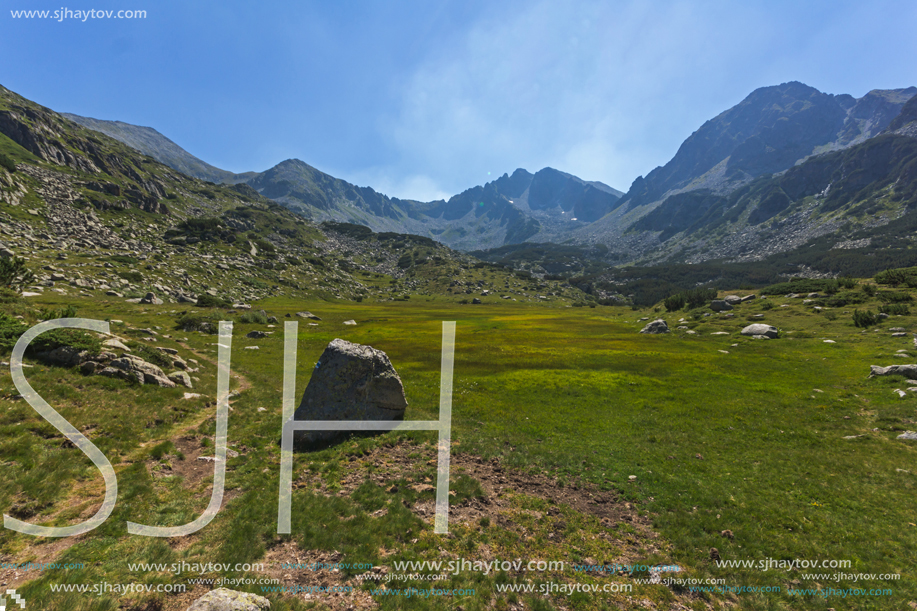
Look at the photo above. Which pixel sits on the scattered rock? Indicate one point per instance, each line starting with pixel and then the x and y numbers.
pixel 224 599
pixel 719 305
pixel 830 341
pixel 351 382
pixel 476 301
pixel 131 367
pixel 909 435
pixel 732 299
pixel 116 344
pixel 760 329
pixel 908 371
pixel 350 322
pixel 656 327
pixel 190 395
pixel 151 299
pixel 181 377
pixel 308 315
pixel 256 335
pixel 899 334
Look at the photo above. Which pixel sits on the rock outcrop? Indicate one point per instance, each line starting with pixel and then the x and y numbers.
pixel 224 599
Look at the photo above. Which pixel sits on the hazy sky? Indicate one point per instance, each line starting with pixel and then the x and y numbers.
pixel 425 99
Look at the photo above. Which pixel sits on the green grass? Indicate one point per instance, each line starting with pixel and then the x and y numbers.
pixel 740 441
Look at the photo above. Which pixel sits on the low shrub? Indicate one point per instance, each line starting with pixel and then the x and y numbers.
pixel 895 309
pixel 673 303
pixel 894 297
pixel 192 321
pixel 864 318
pixel 257 318
pixel 205 300
pixel 847 283
pixel 14 274
pixel 7 162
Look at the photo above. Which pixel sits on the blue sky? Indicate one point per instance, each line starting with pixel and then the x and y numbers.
pixel 425 99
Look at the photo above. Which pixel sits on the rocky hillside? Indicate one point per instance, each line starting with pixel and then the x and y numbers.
pixel 787 165
pixel 89 214
pixel 150 142
pixel 508 210
pixel 768 132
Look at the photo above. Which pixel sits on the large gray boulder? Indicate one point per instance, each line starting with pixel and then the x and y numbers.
pixel 732 299
pixel 350 382
pixel 224 599
pixel 908 371
pixel 657 326
pixel 762 330
pixel 719 305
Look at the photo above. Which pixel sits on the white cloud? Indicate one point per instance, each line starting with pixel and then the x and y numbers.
pixel 603 90
pixel 384 180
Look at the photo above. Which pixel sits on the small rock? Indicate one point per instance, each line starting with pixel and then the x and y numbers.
pixel 761 329
pixel 256 335
pixel 151 299
pixel 656 327
pixel 181 377
pixel 350 322
pixel 909 371
pixel 909 435
pixel 307 315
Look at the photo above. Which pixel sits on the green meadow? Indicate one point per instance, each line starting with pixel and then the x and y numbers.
pixel 766 450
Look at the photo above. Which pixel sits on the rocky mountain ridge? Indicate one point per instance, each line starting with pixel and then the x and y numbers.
pixel 731 192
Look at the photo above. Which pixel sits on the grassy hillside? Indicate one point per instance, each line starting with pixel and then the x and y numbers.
pixel 576 439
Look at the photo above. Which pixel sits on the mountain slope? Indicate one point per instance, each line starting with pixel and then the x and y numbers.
pixel 769 131
pixel 89 214
pixel 150 142
pixel 508 210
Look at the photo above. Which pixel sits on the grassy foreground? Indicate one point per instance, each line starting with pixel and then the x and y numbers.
pixel 765 450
